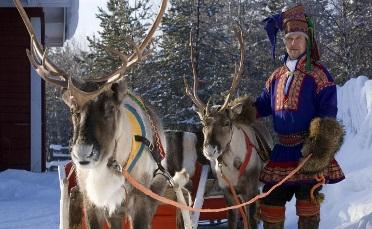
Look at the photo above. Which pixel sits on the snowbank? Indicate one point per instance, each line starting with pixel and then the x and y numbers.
pixel 351 199
pixel 348 204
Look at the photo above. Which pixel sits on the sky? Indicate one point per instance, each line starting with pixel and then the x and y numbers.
pixel 31 200
pixel 88 24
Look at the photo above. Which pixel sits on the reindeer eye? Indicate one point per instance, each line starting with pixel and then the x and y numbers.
pixel 226 124
pixel 109 110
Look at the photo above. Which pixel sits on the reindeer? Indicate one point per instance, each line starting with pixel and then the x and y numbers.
pixel 113 130
pixel 231 142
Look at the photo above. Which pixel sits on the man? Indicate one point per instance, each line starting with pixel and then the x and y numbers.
pixel 301 97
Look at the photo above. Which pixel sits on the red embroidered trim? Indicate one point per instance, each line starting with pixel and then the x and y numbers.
pixel 274 76
pixel 272 214
pixel 274 172
pixel 306 208
pixel 321 79
pixel 289 101
pixel 292 139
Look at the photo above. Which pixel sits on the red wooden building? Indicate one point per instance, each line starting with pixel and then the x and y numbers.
pixel 21 90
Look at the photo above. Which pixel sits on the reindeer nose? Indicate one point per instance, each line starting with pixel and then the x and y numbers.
pixel 84 162
pixel 212 143
pixel 84 154
pixel 210 151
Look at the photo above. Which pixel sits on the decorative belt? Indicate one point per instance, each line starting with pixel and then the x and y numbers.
pixel 292 139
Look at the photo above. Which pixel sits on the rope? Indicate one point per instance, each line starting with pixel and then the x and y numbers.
pixel 237 201
pixel 164 200
pixel 321 180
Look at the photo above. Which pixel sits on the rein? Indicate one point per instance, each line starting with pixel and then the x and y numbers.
pixel 237 200
pixel 164 200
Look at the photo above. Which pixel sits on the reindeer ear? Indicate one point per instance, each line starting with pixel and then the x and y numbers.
pixel 235 110
pixel 120 90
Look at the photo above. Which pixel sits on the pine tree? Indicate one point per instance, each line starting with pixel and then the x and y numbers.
pixel 259 62
pixel 174 63
pixel 215 53
pixel 123 27
pixel 349 45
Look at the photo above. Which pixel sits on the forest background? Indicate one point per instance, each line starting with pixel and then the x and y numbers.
pixel 342 29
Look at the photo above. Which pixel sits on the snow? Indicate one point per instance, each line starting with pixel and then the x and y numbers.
pixel 31 200
pixel 348 201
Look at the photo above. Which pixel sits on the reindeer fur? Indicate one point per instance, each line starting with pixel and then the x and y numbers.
pixel 102 131
pixel 325 139
pixel 248 111
pixel 247 185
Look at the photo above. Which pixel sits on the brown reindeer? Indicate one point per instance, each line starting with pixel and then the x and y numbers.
pixel 107 122
pixel 231 141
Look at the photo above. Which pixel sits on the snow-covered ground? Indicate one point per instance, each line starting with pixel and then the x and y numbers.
pixel 31 200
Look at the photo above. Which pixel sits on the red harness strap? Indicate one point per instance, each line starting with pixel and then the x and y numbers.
pixel 248 154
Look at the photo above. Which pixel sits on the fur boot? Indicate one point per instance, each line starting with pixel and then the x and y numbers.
pixel 267 225
pixel 325 139
pixel 309 222
pixel 272 216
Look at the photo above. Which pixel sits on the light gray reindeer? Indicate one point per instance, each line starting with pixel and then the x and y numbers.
pixel 232 141
pixel 106 118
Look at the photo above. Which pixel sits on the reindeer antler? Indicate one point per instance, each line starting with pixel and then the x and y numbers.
pixel 46 68
pixel 194 95
pixel 49 71
pixel 238 72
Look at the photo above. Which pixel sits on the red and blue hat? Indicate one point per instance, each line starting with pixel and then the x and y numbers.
pixel 293 20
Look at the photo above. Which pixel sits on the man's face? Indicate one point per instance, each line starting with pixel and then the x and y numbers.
pixel 295 45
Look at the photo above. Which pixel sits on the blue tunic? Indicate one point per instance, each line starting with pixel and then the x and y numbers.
pixel 294 101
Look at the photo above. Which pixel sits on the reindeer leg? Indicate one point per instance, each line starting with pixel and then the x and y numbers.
pixel 179 219
pixel 250 190
pixel 146 206
pixel 252 216
pixel 115 222
pixel 252 210
pixel 144 212
pixel 232 214
pixel 75 209
pixel 91 216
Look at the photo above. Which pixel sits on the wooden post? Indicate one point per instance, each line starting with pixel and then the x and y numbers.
pixel 65 200
pixel 199 198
